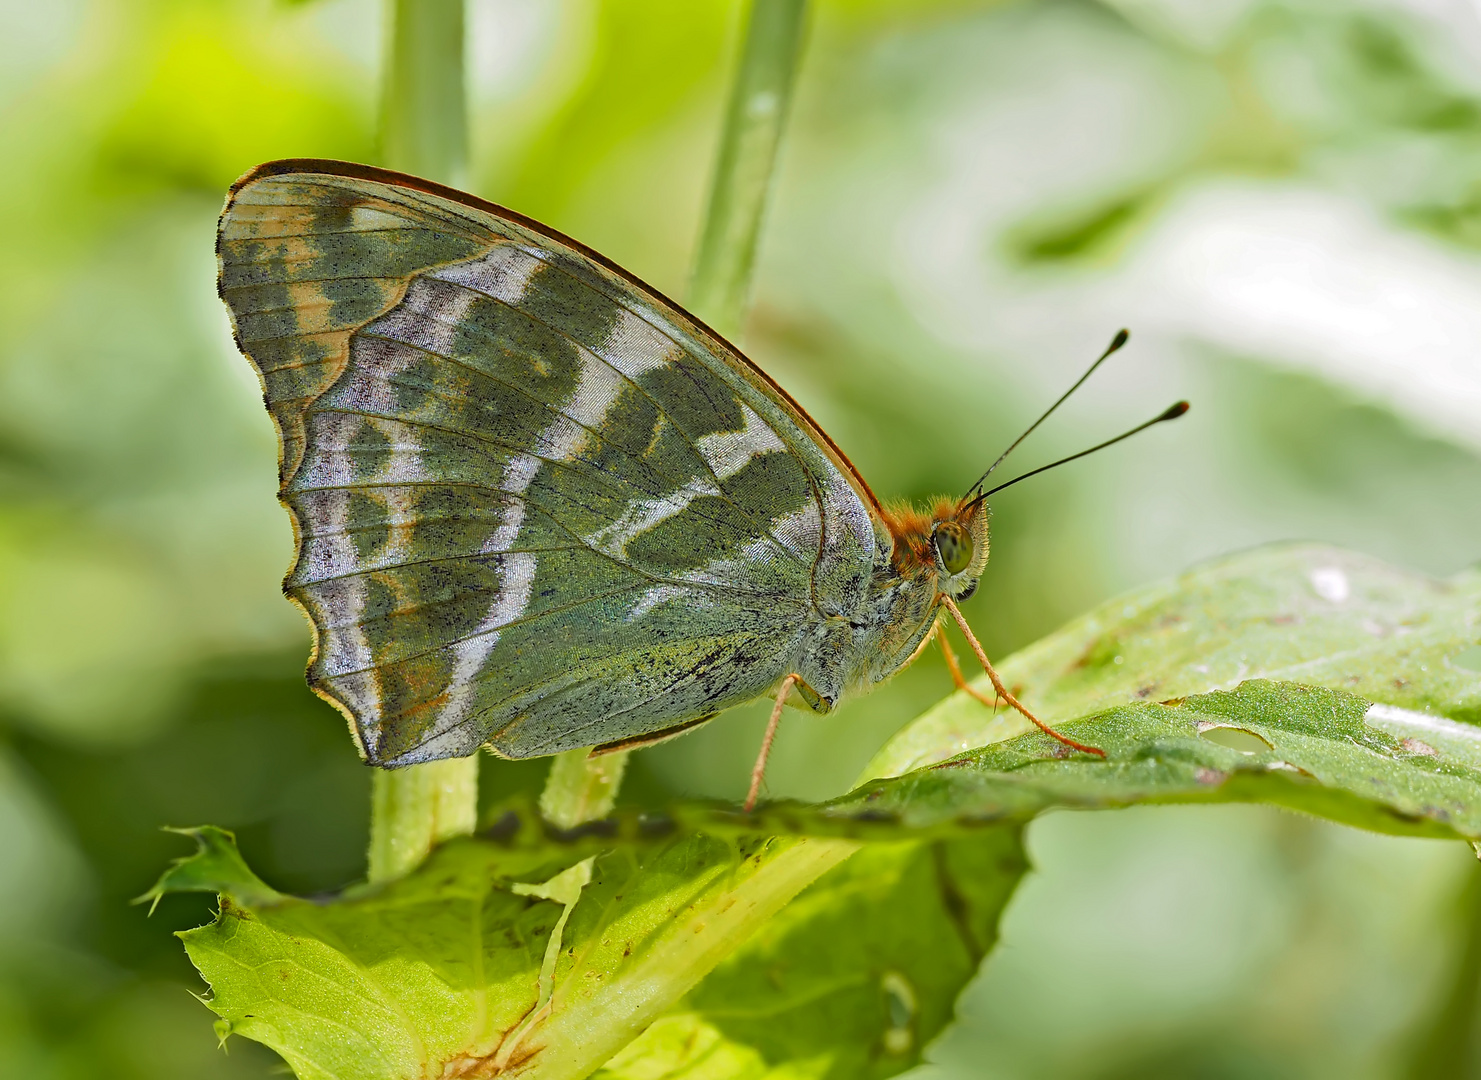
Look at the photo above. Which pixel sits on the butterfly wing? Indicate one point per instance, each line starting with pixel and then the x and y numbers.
pixel 537 505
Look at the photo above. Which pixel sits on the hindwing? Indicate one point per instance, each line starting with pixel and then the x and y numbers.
pixel 537 505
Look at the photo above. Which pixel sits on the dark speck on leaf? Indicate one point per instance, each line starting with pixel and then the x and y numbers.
pixel 605 829
pixel 656 826
pixel 504 829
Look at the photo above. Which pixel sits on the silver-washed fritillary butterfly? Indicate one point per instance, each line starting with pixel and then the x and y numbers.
pixel 537 505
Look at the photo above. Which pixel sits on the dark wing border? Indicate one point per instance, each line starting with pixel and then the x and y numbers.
pixel 723 348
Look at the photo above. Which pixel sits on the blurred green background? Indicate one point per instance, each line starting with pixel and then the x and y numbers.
pixel 1281 199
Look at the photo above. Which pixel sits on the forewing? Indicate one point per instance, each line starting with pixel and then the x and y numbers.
pixel 536 504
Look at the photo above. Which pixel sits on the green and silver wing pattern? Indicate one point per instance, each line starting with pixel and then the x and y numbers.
pixel 537 505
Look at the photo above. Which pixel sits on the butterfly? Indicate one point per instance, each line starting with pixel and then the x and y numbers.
pixel 537 506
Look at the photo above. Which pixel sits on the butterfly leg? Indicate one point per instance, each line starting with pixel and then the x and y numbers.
pixel 958 678
pixel 759 769
pixel 997 683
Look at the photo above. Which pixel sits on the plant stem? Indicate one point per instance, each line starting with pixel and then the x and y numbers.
pixel 1444 1043
pixel 423 131
pixel 595 1023
pixel 582 788
pixel 746 162
pixel 415 808
pixel 424 114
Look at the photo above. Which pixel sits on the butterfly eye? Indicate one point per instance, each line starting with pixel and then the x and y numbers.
pixel 954 544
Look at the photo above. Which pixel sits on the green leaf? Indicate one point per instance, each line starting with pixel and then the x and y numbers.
pixel 217 866
pixel 1322 751
pixel 851 979
pixel 440 972
pixel 465 965
pixel 1299 613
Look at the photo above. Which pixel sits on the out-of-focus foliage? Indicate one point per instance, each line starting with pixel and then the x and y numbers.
pixel 1280 198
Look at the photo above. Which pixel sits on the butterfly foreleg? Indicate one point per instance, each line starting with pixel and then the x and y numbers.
pixel 1002 690
pixel 956 673
pixel 759 769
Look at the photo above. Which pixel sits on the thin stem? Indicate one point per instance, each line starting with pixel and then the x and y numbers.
pixel 722 278
pixel 415 808
pixel 424 112
pixel 592 1025
pixel 581 788
pixel 1446 1041
pixel 423 131
pixel 746 162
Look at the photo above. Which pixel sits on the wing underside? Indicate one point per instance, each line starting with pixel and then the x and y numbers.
pixel 536 505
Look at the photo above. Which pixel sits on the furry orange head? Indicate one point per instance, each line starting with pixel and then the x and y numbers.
pixel 949 540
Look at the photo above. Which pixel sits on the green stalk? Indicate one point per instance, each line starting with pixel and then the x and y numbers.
pixel 415 808
pixel 424 112
pixel 591 1027
pixel 759 103
pixel 1446 1042
pixel 424 130
pixel 582 788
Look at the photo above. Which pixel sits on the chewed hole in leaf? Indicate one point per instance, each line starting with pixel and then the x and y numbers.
pixel 1468 659
pixel 900 1002
pixel 1235 738
pixel 1286 766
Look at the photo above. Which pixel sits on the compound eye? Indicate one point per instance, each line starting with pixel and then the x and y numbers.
pixel 954 544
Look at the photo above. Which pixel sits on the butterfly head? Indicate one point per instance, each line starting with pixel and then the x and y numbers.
pixel 959 546
pixel 949 541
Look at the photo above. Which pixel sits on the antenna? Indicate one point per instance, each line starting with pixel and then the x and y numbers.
pixel 1172 413
pixel 1116 342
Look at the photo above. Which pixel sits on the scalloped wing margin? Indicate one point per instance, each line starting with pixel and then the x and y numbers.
pixel 536 505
